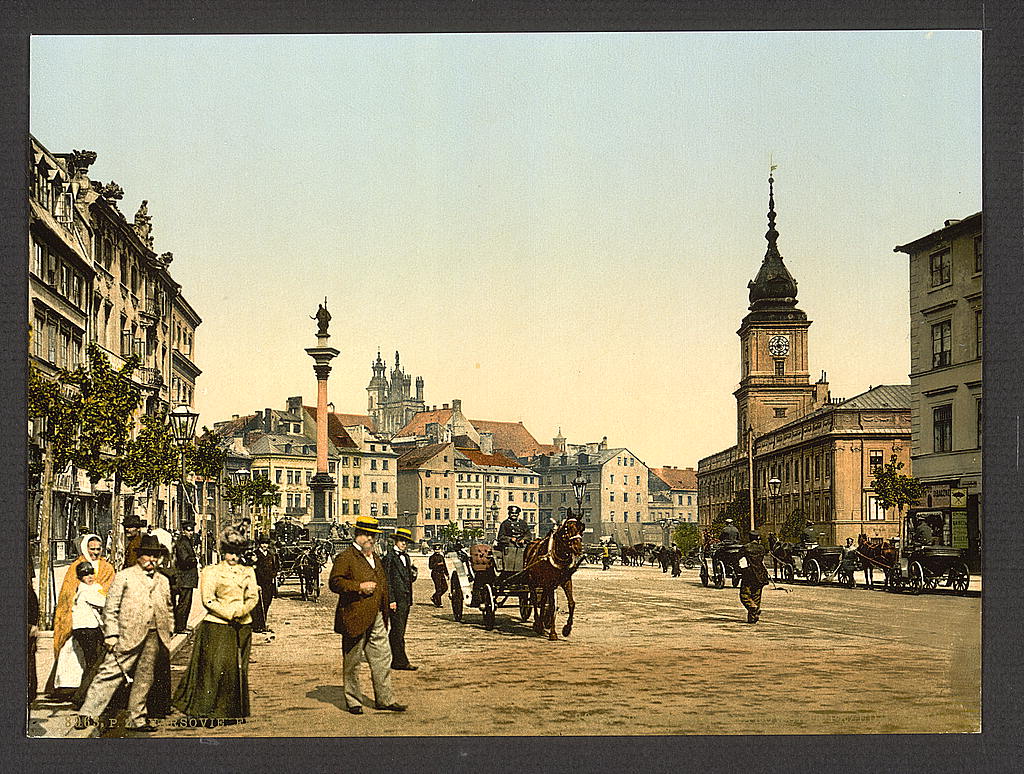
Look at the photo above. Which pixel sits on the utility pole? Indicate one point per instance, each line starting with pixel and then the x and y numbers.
pixel 750 472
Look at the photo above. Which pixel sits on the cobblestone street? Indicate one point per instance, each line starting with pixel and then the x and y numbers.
pixel 650 654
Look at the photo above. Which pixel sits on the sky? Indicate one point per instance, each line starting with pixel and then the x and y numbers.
pixel 556 229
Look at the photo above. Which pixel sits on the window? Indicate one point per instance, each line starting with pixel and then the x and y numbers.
pixel 977 333
pixel 638 480
pixel 384 486
pixel 689 499
pixel 383 464
pixel 611 497
pixel 875 511
pixel 355 482
pixel 625 497
pixel 978 257
pixel 942 428
pixel 355 462
pixel 373 487
pixel 384 509
pixel 940 266
pixel 780 367
pixel 344 507
pixel 373 464
pixel 277 475
pixel 38 259
pixel 344 462
pixel 941 345
pixel 875 461
pixel 611 479
pixel 780 412
pixel 355 507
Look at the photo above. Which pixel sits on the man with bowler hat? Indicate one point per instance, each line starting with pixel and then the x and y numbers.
pixel 132 537
pixel 401 574
pixel 137 622
pixel 361 617
pixel 438 574
pixel 186 566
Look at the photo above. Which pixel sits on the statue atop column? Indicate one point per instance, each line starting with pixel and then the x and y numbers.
pixel 323 319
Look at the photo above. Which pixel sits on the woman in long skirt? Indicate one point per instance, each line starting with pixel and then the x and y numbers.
pixel 216 684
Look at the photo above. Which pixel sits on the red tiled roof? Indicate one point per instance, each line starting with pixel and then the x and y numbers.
pixel 416 457
pixel 418 424
pixel 509 435
pixel 677 478
pixel 347 420
pixel 229 428
pixel 497 460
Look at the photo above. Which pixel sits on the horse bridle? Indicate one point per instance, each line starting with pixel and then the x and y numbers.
pixel 551 554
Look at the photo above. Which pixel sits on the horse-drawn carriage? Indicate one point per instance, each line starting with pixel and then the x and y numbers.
pixel 528 575
pixel 301 559
pixel 814 563
pixel 719 561
pixel 490 592
pixel 926 567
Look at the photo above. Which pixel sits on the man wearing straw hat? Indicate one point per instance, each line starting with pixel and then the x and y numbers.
pixel 401 574
pixel 361 618
pixel 137 620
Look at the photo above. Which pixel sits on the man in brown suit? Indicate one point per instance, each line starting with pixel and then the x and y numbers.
pixel 132 537
pixel 137 621
pixel 361 617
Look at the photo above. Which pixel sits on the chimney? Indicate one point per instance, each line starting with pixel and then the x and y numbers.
pixel 234 416
pixel 444 405
pixel 457 405
pixel 268 421
pixel 295 405
pixel 487 443
pixel 604 443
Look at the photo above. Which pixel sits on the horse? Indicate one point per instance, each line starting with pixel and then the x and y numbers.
pixel 308 569
pixel 875 552
pixel 549 563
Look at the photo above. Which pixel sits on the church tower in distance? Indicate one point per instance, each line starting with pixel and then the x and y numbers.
pixel 775 383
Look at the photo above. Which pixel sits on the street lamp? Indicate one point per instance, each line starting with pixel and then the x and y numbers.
pixel 579 486
pixel 183 424
pixel 774 487
pixel 240 477
pixel 494 515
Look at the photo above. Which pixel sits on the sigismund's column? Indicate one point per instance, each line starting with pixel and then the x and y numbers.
pixel 322 482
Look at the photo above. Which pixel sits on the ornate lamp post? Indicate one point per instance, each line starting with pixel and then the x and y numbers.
pixel 492 529
pixel 774 487
pixel 183 423
pixel 321 483
pixel 579 487
pixel 240 477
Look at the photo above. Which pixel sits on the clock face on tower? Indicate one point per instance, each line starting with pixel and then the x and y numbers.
pixel 778 345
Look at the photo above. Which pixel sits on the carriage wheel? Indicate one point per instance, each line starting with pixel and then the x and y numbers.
pixel 813 572
pixel 490 606
pixel 525 607
pixel 845 577
pixel 455 591
pixel 960 578
pixel 689 563
pixel 787 573
pixel 915 577
pixel 719 578
pixel 893 579
pixel 704 577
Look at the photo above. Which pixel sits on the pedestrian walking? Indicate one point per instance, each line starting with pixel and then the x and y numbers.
pixel 401 573
pixel 132 537
pixel 267 565
pixel 676 556
pixel 87 626
pixel 69 662
pixel 186 574
pixel 438 574
pixel 361 617
pixel 137 622
pixel 216 684
pixel 753 576
pixel 606 557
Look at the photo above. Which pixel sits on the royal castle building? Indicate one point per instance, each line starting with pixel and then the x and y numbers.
pixel 822 451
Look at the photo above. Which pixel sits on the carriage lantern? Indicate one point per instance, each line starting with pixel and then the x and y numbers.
pixel 774 485
pixel 183 424
pixel 579 486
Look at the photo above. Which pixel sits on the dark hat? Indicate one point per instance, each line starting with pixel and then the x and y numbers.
pixel 150 545
pixel 131 520
pixel 188 524
pixel 85 568
pixel 368 524
pixel 514 510
pixel 403 533
pixel 755 535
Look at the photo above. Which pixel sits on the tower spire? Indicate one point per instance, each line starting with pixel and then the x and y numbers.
pixel 774 289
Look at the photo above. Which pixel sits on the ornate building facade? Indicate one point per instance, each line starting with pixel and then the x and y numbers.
pixel 823 451
pixel 390 401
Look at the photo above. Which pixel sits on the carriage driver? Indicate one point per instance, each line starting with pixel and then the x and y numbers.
pixel 809 536
pixel 729 533
pixel 921 535
pixel 513 530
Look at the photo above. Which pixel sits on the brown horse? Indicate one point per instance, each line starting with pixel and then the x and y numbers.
pixel 875 553
pixel 549 563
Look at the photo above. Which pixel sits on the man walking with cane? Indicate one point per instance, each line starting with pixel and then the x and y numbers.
pixel 137 622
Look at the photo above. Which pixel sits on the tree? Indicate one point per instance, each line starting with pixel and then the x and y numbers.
pixel 686 536
pixel 450 533
pixel 792 526
pixel 894 489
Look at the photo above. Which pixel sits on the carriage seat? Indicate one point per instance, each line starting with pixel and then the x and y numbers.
pixel 511 559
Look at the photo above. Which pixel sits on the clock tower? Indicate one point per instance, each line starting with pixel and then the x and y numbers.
pixel 775 385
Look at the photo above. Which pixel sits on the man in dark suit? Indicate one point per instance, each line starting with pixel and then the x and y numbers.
pixel 729 533
pixel 401 574
pixel 267 564
pixel 753 576
pixel 439 575
pixel 186 574
pixel 361 617
pixel 132 537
